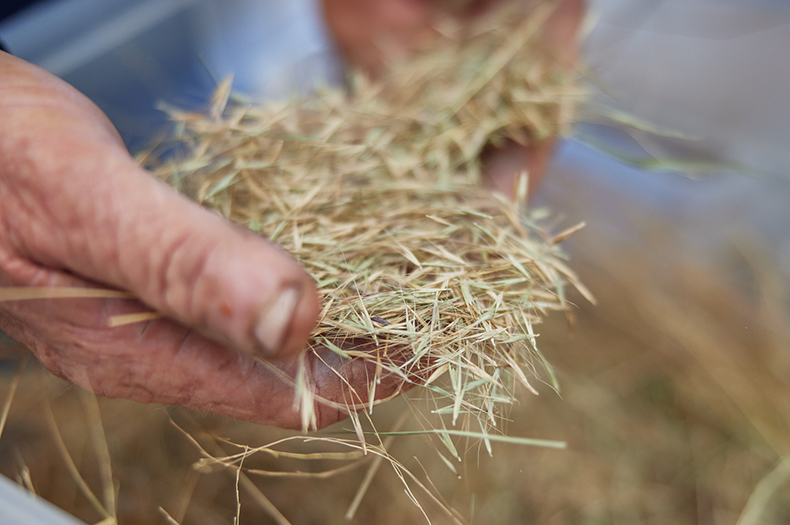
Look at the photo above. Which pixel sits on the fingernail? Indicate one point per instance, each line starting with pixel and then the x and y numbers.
pixel 272 328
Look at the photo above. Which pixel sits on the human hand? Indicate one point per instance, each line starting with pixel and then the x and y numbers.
pixel 368 32
pixel 77 211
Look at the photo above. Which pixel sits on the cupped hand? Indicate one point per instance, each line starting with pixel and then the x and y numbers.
pixel 368 32
pixel 77 211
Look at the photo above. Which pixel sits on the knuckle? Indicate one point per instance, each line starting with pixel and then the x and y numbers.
pixel 179 271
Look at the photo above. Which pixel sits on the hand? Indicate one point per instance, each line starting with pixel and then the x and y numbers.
pixel 369 31
pixel 78 211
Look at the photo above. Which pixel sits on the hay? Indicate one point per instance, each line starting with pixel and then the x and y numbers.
pixel 666 422
pixel 377 194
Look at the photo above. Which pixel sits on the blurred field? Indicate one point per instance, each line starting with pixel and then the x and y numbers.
pixel 675 403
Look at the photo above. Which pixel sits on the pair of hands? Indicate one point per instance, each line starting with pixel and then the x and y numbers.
pixel 77 211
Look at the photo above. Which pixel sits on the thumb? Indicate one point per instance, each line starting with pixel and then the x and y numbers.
pixel 77 201
pixel 194 266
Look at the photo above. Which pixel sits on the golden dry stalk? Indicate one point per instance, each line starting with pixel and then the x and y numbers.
pixel 376 192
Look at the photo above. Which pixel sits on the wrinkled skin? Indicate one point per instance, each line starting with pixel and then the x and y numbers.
pixel 76 210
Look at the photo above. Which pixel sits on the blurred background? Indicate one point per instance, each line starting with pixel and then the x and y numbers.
pixel 675 397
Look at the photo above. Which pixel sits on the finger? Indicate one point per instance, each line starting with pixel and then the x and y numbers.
pixel 369 32
pixel 77 201
pixel 561 33
pixel 502 166
pixel 165 362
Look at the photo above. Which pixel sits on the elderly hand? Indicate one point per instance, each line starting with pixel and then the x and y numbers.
pixel 77 211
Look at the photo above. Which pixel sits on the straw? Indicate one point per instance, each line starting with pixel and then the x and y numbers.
pixel 376 192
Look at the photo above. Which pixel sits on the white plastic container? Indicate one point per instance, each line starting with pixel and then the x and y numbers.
pixel 18 506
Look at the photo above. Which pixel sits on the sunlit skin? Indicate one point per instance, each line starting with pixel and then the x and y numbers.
pixel 78 211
